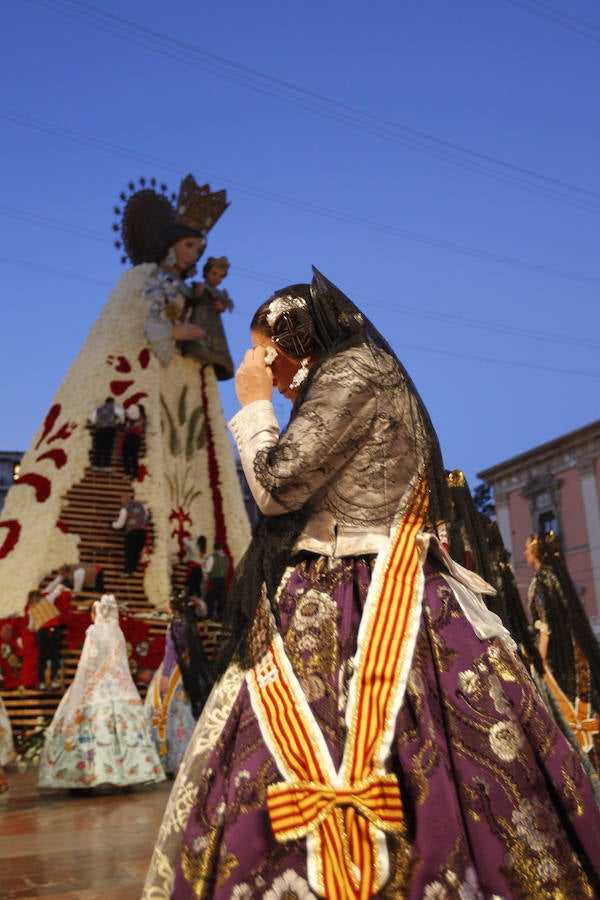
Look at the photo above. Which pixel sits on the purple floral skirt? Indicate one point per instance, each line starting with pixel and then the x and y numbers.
pixel 496 802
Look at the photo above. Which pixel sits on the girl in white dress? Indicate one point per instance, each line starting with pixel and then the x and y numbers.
pixel 99 734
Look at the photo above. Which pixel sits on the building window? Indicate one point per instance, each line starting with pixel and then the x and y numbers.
pixel 547 522
pixel 543 493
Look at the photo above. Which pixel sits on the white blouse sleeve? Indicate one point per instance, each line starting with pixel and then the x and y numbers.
pixel 255 428
pixel 285 471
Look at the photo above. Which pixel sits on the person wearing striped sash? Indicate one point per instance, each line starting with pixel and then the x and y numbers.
pixel 373 732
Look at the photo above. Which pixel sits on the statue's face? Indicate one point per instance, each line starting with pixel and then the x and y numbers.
pixel 214 276
pixel 188 251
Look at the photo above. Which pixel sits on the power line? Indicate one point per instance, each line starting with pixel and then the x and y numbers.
pixel 30 218
pixel 501 362
pixel 558 17
pixel 30 265
pixel 451 318
pixel 272 280
pixel 290 202
pixel 27 264
pixel 343 113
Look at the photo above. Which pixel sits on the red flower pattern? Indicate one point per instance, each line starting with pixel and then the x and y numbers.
pixel 120 386
pixel 181 518
pixel 120 363
pixel 58 457
pixel 213 479
pixel 65 431
pixel 41 485
pixel 10 541
pixel 49 421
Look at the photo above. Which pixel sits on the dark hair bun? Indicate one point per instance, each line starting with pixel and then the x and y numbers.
pixel 293 331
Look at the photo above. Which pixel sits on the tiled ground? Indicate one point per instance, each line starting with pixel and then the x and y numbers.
pixel 56 844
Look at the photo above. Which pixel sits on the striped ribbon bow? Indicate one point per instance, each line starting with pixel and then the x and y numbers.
pixel 345 814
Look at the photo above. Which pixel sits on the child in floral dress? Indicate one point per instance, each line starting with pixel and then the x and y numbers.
pixel 98 734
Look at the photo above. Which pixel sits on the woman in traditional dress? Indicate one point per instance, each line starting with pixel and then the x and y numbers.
pixel 187 478
pixel 180 686
pixel 99 734
pixel 476 541
pixel 566 643
pixel 374 732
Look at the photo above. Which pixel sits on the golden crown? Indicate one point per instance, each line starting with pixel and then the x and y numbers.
pixel 198 207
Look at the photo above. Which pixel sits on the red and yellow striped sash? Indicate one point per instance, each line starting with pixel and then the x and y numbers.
pixel 344 815
pixel 582 719
pixel 160 706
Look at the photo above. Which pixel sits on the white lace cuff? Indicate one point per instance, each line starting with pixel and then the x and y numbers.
pixel 255 427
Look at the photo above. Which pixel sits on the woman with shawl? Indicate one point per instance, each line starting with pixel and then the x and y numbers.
pixel 374 732
pixel 180 686
pixel 566 643
pixel 99 734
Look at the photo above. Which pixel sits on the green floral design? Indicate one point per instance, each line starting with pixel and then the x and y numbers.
pixel 186 435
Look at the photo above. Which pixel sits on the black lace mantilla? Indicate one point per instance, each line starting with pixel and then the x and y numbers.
pixel 358 438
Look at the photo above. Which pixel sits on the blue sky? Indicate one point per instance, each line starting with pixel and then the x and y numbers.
pixel 437 160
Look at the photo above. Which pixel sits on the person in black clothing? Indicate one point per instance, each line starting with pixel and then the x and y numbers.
pixel 134 519
pixel 105 419
pixel 216 568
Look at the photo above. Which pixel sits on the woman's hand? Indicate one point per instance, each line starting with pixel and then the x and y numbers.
pixel 253 379
pixel 187 332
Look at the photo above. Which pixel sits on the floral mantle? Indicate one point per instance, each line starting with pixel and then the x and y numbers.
pixel 188 478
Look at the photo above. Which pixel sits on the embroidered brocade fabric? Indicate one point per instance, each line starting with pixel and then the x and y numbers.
pixel 496 803
pixel 474 751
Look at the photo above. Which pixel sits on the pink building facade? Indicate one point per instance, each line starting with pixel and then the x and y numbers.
pixel 555 486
